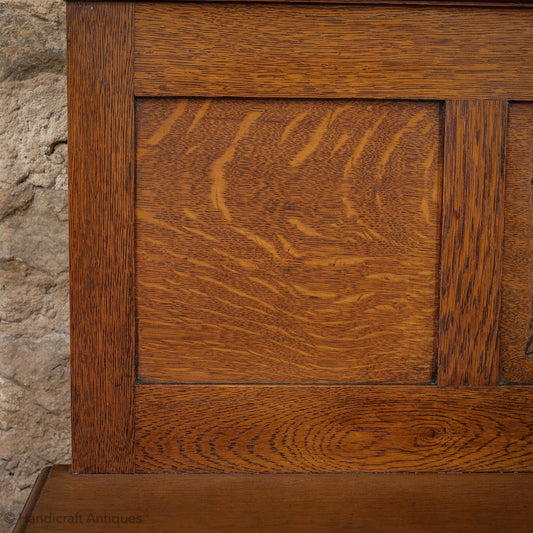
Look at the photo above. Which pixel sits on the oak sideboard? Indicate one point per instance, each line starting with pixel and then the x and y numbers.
pixel 301 237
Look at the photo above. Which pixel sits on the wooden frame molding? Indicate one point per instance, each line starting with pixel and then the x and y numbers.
pixel 101 185
pixel 472 242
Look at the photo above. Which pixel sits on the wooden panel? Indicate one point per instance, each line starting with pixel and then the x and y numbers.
pixel 101 216
pixel 472 241
pixel 332 51
pixel 287 241
pixel 517 285
pixel 237 428
pixel 199 503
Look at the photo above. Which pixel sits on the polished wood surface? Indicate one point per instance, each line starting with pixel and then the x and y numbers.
pixel 287 241
pixel 316 151
pixel 472 242
pixel 219 503
pixel 35 494
pixel 101 180
pixel 236 428
pixel 332 51
pixel 524 4
pixel 517 291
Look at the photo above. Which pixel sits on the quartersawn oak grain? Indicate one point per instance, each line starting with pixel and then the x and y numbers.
pixel 472 242
pixel 287 240
pixel 354 428
pixel 101 211
pixel 292 51
pixel 516 360
pixel 286 503
pixel 507 3
pixel 332 51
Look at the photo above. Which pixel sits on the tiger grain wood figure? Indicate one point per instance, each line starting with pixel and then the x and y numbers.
pixel 300 237
pixel 301 241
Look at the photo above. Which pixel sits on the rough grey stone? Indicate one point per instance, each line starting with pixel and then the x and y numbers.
pixel 31 39
pixel 33 133
pixel 34 330
pixel 37 236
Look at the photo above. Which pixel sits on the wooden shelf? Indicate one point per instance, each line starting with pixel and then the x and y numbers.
pixel 65 502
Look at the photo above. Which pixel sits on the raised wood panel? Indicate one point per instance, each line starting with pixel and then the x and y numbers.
pixel 101 222
pixel 517 295
pixel 332 51
pixel 287 241
pixel 333 428
pixel 472 242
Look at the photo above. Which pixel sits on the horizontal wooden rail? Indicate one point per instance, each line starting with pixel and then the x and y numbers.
pixel 333 428
pixel 332 51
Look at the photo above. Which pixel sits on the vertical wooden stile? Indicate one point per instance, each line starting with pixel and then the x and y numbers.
pixel 101 208
pixel 472 242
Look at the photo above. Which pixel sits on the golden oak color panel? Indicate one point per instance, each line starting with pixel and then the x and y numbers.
pixel 287 241
pixel 517 288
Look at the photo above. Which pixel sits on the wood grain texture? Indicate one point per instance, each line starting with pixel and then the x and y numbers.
pixel 516 361
pixel 332 51
pixel 525 4
pixel 288 503
pixel 33 498
pixel 238 428
pixel 101 217
pixel 472 243
pixel 287 241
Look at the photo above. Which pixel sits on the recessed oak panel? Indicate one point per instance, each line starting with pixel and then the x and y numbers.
pixel 517 288
pixel 287 241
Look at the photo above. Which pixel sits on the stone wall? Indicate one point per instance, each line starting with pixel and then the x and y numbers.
pixel 34 342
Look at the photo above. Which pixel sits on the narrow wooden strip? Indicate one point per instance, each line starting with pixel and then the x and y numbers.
pixel 261 50
pixel 333 429
pixel 31 502
pixel 516 358
pixel 101 114
pixel 285 503
pixel 472 242
pixel 506 3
